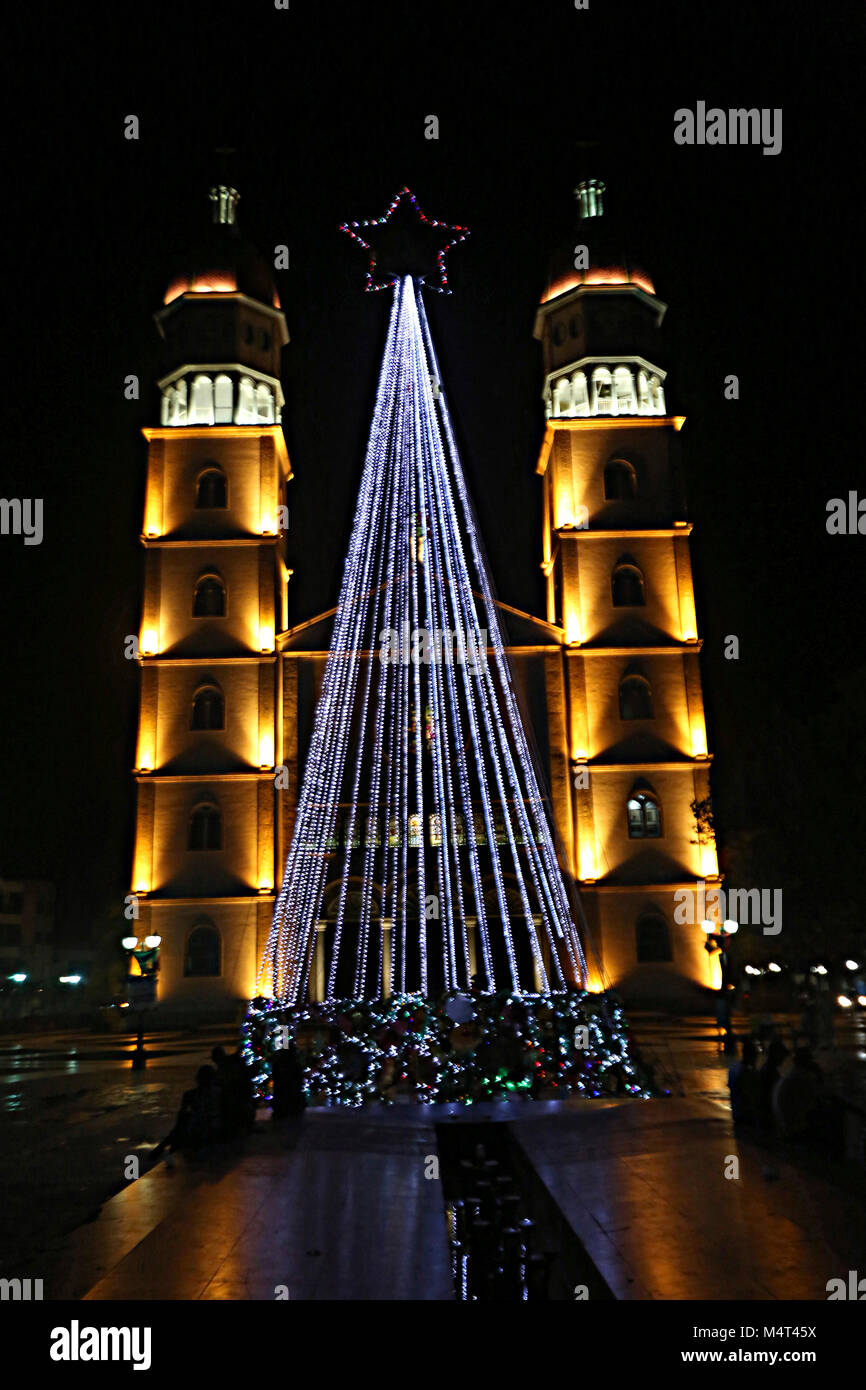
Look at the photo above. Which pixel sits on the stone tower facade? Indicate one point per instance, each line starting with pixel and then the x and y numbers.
pixel 205 859
pixel 619 588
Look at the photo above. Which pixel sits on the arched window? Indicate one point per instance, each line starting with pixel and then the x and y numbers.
pixel 653 939
pixel 562 397
pixel 265 405
pixel 416 831
pixel 623 390
pixel 635 697
pixel 166 405
pixel 620 481
pixel 178 404
pixel 644 817
pixel 643 395
pixel 246 411
pixel 657 396
pixel 206 827
pixel 222 400
pixel 208 708
pixel 435 822
pixel 211 489
pixel 627 586
pixel 579 397
pixel 602 392
pixel 201 405
pixel 203 950
pixel 210 597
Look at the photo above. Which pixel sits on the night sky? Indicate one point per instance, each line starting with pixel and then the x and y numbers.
pixel 757 257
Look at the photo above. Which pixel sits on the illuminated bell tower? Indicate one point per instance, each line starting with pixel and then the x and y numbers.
pixel 619 587
pixel 215 600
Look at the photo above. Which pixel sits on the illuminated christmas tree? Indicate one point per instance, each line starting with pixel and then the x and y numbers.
pixel 421 814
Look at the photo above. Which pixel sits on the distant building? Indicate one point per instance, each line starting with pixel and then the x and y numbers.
pixel 26 929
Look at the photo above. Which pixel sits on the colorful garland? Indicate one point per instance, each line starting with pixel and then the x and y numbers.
pixel 460 1047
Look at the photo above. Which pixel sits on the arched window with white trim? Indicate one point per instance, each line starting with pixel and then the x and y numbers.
pixel 579 396
pixel 562 398
pixel 643 393
pixel 657 396
pixel 178 404
pixel 264 404
pixel 623 390
pixel 222 400
pixel 246 409
pixel 602 392
pixel 201 405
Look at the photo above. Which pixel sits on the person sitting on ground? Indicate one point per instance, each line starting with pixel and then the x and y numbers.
pixel 237 1107
pixel 743 1085
pixel 198 1120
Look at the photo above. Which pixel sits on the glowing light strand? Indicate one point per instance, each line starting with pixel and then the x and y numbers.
pixel 407 559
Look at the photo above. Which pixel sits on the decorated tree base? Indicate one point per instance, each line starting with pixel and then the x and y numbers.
pixel 459 1047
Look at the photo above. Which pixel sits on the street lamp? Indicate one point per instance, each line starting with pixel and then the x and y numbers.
pixel 141 985
pixel 717 941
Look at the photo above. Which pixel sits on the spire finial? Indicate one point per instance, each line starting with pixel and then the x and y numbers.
pixel 224 196
pixel 590 197
pixel 224 201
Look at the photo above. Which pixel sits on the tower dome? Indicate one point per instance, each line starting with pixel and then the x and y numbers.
pixel 220 259
pixel 605 262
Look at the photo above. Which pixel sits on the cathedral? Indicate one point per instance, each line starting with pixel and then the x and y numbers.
pixel 609 680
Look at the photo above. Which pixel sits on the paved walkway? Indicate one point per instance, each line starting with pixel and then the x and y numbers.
pixel 345 1211
pixel 644 1187
pixel 346 1214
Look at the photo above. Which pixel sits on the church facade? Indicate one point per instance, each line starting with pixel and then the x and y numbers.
pixel 609 679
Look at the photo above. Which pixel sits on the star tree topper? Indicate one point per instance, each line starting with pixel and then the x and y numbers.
pixel 407 242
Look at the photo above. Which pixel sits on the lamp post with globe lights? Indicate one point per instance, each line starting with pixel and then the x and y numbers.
pixel 717 939
pixel 142 970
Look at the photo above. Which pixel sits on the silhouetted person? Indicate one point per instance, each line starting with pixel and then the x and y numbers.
pixel 237 1107
pixel 743 1085
pixel 198 1121
pixel 768 1076
pixel 287 1089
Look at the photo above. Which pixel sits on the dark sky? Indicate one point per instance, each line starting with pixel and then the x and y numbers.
pixel 757 257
